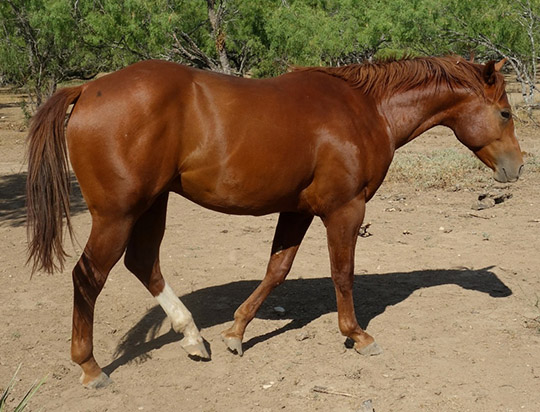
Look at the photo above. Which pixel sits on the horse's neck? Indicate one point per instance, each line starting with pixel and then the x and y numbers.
pixel 411 113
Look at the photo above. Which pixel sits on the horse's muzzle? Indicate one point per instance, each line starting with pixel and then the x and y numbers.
pixel 507 173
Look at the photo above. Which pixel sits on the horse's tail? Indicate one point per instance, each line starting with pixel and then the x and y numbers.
pixel 48 182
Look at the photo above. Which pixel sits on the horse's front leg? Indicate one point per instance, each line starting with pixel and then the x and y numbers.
pixel 290 231
pixel 342 228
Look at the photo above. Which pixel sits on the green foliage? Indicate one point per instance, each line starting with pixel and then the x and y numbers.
pixel 130 30
pixel 44 42
pixel 41 45
pixel 323 33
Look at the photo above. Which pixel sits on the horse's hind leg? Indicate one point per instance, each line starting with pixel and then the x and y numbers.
pixel 142 259
pixel 290 231
pixel 104 248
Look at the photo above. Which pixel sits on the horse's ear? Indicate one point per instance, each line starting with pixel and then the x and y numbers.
pixel 499 65
pixel 490 73
pixel 471 58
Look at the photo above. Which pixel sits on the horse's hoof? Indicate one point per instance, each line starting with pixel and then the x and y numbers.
pixel 370 350
pixel 196 350
pixel 234 344
pixel 101 381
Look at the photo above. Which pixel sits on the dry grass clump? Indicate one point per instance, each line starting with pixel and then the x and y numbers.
pixel 532 163
pixel 446 168
pixel 439 169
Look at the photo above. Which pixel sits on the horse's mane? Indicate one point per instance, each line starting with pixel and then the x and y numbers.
pixel 389 76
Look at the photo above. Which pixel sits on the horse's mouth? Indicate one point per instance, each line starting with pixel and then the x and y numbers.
pixel 503 176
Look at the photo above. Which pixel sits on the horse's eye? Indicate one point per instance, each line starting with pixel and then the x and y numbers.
pixel 506 114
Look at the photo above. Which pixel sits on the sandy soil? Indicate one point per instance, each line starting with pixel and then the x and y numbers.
pixel 451 294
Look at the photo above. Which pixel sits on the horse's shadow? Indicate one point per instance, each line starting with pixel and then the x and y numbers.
pixel 13 199
pixel 304 299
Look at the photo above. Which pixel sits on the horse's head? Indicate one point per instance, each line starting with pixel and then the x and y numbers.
pixel 484 124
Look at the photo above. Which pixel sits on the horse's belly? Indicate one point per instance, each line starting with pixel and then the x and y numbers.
pixel 248 193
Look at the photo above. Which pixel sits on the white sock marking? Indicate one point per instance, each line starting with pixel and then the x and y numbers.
pixel 180 316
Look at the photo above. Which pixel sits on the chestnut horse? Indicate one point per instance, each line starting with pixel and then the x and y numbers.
pixel 312 142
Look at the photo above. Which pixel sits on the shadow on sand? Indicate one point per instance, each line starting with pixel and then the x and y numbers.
pixel 13 199
pixel 305 300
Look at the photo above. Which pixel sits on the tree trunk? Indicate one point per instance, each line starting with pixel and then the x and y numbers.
pixel 216 21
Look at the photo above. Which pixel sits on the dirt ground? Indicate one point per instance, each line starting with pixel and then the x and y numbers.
pixel 450 293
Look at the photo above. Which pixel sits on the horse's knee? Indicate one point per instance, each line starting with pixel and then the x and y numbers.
pixel 277 272
pixel 343 281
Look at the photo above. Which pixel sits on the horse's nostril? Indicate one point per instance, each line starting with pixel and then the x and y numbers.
pixel 520 170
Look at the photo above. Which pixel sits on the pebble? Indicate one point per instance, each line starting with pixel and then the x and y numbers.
pixel 304 335
pixel 268 385
pixel 279 310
